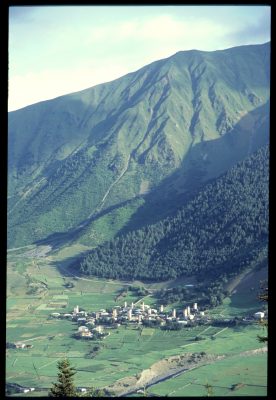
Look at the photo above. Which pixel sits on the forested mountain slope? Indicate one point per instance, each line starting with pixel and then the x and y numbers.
pixel 223 229
pixel 82 165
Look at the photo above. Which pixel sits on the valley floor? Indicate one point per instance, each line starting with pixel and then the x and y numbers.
pixel 233 362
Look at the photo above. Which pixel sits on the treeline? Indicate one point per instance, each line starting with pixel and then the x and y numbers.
pixel 222 230
pixel 209 294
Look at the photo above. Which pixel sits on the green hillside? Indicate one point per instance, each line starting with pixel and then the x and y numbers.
pixel 222 231
pixel 86 166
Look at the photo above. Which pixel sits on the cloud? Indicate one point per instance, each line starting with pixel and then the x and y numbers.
pixel 47 84
pixel 159 29
pixel 255 31
pixel 61 50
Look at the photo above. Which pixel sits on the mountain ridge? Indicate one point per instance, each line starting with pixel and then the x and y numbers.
pixel 125 137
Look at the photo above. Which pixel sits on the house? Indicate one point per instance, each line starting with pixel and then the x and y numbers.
pixel 104 314
pixel 182 322
pixel 20 345
pixel 98 329
pixel 81 320
pixel 83 329
pixel 55 314
pixel 259 315
pixel 86 334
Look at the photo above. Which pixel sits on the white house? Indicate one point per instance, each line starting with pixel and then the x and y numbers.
pixel 182 322
pixel 20 345
pixel 55 314
pixel 259 315
pixel 98 328
pixel 83 329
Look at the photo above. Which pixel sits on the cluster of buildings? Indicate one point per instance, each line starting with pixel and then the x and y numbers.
pixel 26 390
pixel 92 324
pixel 19 345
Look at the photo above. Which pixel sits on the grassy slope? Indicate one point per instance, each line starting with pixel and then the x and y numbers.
pixel 169 116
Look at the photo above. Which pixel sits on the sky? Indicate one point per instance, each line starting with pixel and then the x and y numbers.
pixel 55 50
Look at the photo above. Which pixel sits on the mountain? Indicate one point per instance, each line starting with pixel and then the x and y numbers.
pixel 90 165
pixel 222 230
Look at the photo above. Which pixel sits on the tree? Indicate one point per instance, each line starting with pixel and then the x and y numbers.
pixel 65 386
pixel 263 296
pixel 209 389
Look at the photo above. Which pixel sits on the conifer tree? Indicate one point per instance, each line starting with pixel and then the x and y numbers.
pixel 65 386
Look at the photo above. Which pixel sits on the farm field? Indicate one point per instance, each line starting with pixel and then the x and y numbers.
pixel 235 376
pixel 127 351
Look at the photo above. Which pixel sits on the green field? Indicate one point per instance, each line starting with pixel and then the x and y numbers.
pixel 249 372
pixel 127 350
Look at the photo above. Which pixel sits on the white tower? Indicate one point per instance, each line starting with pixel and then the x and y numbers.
pixel 99 329
pixel 143 306
pixel 114 313
pixel 161 308
pixel 185 313
pixel 76 310
pixel 125 304
pixel 174 313
pixel 149 311
pixel 132 305
pixel 188 310
pixel 195 306
pixel 129 314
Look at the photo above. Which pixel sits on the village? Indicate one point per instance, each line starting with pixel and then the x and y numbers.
pixel 93 325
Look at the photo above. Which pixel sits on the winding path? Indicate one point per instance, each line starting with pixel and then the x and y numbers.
pixel 98 209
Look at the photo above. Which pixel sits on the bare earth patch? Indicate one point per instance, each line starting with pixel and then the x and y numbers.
pixel 167 368
pixel 161 370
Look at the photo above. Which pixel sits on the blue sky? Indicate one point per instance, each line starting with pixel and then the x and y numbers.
pixel 54 50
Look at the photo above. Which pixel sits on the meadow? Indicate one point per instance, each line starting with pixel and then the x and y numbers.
pixel 234 376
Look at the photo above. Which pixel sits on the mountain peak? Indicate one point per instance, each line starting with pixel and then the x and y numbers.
pixel 166 128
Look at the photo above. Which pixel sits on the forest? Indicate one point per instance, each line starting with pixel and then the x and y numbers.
pixel 221 231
